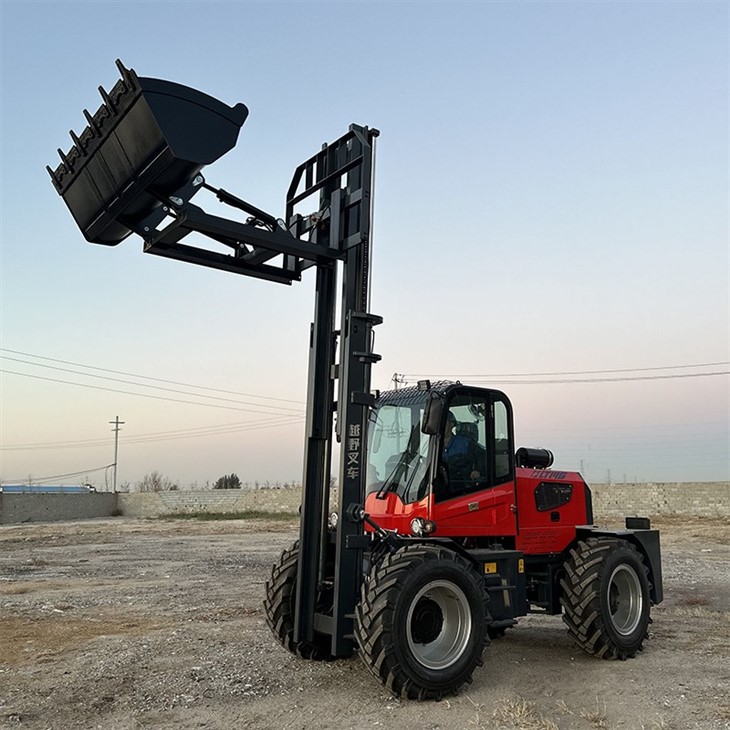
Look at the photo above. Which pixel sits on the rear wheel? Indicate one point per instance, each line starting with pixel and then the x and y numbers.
pixel 606 597
pixel 279 608
pixel 421 624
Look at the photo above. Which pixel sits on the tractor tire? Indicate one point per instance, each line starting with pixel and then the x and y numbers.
pixel 421 625
pixel 606 597
pixel 279 609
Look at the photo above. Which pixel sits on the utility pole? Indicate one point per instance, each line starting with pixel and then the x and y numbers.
pixel 398 379
pixel 116 423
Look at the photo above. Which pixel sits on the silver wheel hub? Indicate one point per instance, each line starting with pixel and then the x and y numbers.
pixel 445 607
pixel 625 599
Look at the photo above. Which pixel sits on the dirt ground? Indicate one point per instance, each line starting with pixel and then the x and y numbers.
pixel 124 624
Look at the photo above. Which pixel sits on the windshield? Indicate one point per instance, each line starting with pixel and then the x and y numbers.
pixel 398 452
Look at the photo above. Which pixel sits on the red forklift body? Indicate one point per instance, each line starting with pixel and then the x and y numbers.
pixel 540 511
pixel 551 504
pixel 534 510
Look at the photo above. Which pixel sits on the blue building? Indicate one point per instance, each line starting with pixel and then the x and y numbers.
pixel 45 489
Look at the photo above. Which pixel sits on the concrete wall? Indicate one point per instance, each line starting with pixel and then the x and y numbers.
pixel 154 504
pixel 26 507
pixel 698 499
pixel 707 499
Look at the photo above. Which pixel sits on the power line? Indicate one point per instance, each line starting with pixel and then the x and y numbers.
pixel 60 476
pixel 194 430
pixel 241 426
pixel 145 377
pixel 479 377
pixel 618 458
pixel 253 427
pixel 622 427
pixel 140 395
pixel 143 385
pixel 646 447
pixel 571 372
pixel 160 436
pixel 486 380
pixel 215 430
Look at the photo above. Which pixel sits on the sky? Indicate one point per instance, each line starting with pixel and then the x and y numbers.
pixel 551 219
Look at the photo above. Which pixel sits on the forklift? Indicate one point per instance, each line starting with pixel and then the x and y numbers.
pixel 444 533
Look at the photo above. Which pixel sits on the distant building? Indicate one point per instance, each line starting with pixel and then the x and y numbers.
pixel 45 489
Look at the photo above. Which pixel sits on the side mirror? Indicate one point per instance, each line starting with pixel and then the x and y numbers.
pixel 432 414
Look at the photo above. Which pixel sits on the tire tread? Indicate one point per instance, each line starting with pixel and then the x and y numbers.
pixel 278 607
pixel 581 596
pixel 374 617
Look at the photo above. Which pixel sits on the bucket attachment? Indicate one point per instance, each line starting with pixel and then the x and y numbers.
pixel 147 142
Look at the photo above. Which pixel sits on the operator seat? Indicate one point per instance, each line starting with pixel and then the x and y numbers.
pixel 468 430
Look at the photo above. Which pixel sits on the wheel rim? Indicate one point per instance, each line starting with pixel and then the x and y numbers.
pixel 625 600
pixel 443 607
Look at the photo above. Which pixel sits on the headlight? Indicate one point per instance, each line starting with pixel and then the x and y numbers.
pixel 421 527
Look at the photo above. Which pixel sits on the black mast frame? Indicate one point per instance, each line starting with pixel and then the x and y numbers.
pixel 340 231
pixel 341 174
pixel 135 169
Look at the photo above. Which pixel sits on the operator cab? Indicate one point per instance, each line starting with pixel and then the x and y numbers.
pixel 445 441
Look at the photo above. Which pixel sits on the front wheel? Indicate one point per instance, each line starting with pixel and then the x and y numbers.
pixel 421 624
pixel 281 590
pixel 606 597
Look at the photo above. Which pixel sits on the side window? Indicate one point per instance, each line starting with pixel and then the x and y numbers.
pixel 463 464
pixel 551 495
pixel 502 451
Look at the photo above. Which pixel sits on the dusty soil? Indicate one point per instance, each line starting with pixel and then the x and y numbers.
pixel 124 624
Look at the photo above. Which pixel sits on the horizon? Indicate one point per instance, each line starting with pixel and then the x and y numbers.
pixel 551 219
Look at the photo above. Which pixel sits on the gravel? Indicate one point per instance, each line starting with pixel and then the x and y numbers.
pixel 124 623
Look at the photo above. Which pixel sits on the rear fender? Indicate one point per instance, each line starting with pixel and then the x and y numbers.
pixel 646 542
